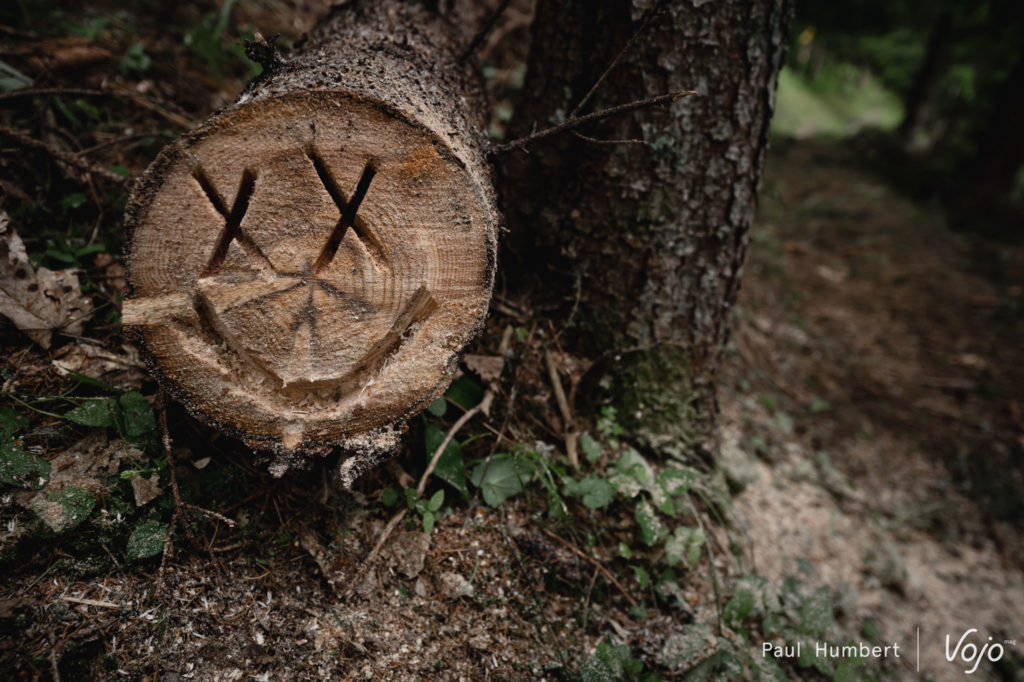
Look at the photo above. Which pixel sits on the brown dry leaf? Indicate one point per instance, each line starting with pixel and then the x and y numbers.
pixel 146 489
pixel 40 301
pixel 124 372
pixel 487 367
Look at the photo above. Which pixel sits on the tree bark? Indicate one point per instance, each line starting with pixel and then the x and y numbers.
pixel 652 236
pixel 307 264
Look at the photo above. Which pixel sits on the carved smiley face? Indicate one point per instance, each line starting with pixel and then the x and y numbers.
pixel 313 278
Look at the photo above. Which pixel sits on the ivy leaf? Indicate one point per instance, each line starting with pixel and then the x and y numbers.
pixel 502 479
pixel 428 521
pixel 64 510
pixel 146 540
pixel 651 528
pixel 92 413
pixel 591 448
pixel 685 543
pixel 738 608
pixel 451 468
pixel 595 491
pixel 136 414
pixel 816 612
pixel 465 392
pixel 11 420
pixel 21 468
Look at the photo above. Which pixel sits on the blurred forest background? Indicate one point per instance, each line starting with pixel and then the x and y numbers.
pixel 871 473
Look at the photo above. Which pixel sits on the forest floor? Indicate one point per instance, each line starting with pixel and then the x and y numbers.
pixel 870 487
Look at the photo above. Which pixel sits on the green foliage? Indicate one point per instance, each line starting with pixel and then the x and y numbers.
pixel 147 540
pixel 21 468
pixel 130 413
pixel 136 59
pixel 450 467
pixel 62 511
pixel 502 477
pixel 428 509
pixel 684 543
pixel 465 392
pixel 816 612
pixel 614 662
pixel 595 492
pixel 18 467
pixel 207 40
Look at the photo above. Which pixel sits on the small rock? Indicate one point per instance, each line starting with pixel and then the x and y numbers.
pixel 409 550
pixel 454 585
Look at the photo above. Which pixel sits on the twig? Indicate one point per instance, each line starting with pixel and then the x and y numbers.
pixel 33 92
pixel 179 506
pixel 483 406
pixel 595 140
pixel 62 156
pixel 54 660
pixel 209 512
pixel 572 123
pixel 593 562
pixel 484 31
pixel 91 602
pixel 563 407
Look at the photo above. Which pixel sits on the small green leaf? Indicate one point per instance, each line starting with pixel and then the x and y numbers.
pixel 595 491
pixel 438 407
pixel 389 497
pixel 465 392
pixel 591 448
pixel 73 200
pixel 64 510
pixel 643 579
pixel 137 415
pixel 21 468
pixel 816 612
pixel 428 522
pixel 92 413
pixel 651 527
pixel 451 468
pixel 738 608
pixel 146 540
pixel 818 405
pixel 501 479
pixel 624 551
pixel 11 420
pixel 436 500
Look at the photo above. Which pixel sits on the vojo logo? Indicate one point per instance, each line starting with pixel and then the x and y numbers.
pixel 972 654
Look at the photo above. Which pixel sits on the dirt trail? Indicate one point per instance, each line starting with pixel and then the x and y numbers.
pixel 875 376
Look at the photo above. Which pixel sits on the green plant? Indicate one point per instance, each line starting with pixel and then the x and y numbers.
pixel 614 662
pixel 428 509
pixel 206 40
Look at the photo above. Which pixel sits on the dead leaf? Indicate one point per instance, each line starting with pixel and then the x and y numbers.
pixel 123 371
pixel 38 302
pixel 487 367
pixel 409 552
pixel 146 489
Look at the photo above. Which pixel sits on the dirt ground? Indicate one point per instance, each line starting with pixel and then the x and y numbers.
pixel 893 343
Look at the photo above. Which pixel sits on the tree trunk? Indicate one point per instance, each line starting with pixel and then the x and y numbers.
pixel 653 236
pixel 307 264
pixel 936 58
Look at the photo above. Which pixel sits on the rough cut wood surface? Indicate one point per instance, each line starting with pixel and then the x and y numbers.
pixel 307 264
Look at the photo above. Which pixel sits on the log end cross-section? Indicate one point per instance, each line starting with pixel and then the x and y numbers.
pixel 305 268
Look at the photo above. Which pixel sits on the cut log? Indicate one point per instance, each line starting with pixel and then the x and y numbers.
pixel 306 265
